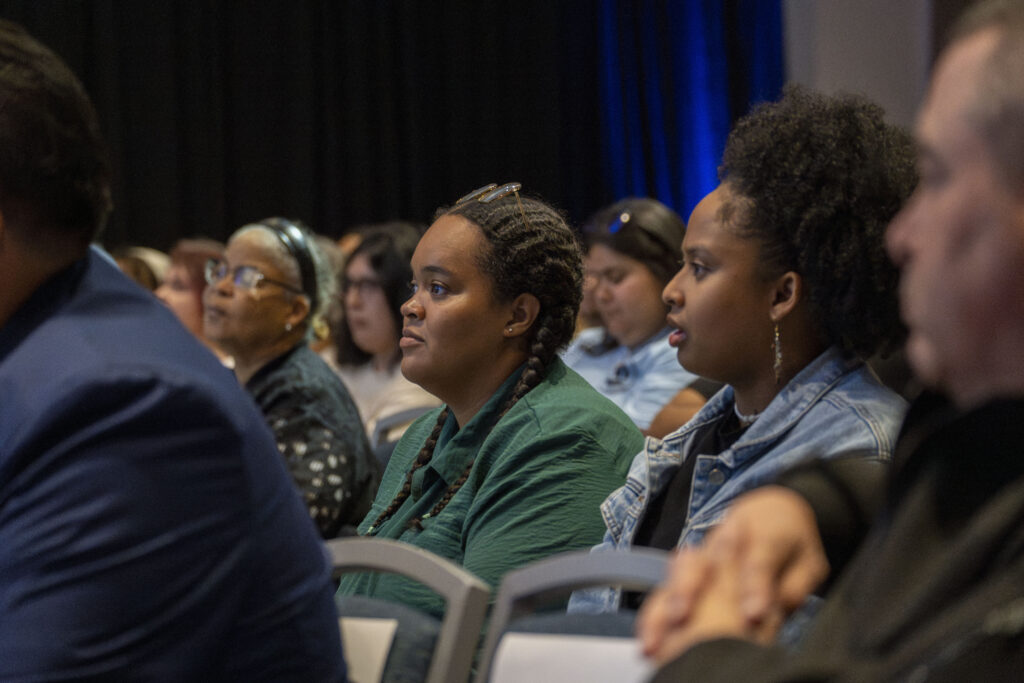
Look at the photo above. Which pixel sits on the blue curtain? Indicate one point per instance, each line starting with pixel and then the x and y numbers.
pixel 675 75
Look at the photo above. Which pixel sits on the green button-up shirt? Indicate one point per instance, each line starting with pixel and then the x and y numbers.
pixel 538 480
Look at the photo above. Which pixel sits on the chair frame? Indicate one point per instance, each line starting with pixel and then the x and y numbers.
pixel 465 595
pixel 522 590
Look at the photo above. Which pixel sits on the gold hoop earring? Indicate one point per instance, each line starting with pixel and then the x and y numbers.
pixel 777 350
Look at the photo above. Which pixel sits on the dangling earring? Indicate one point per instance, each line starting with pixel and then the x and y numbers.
pixel 777 350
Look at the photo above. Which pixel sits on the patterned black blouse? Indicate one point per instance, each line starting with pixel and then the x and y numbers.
pixel 317 428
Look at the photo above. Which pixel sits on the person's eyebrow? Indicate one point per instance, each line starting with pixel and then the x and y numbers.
pixel 436 270
pixel 698 251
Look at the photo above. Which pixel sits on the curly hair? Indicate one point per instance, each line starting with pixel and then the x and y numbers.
pixel 818 179
pixel 530 250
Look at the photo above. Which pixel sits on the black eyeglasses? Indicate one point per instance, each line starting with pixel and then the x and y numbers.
pixel 246 277
pixel 492 192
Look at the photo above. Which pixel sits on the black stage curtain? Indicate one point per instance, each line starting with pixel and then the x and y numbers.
pixel 337 112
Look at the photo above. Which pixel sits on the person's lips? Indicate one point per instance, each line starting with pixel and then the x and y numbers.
pixel 409 339
pixel 678 334
pixel 213 313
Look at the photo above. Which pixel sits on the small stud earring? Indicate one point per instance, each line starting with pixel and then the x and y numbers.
pixel 287 327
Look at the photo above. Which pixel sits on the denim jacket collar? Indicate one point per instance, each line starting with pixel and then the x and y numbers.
pixel 785 410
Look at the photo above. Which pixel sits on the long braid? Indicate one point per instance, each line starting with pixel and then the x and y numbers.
pixel 531 376
pixel 422 458
pixel 540 256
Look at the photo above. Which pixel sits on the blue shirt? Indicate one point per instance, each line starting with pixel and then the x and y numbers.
pixel 835 407
pixel 640 381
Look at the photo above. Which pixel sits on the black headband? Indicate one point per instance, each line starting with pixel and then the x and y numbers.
pixel 294 240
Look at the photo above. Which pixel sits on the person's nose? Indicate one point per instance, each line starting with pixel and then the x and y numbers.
pixel 899 236
pixel 602 290
pixel 221 286
pixel 672 295
pixel 352 298
pixel 412 309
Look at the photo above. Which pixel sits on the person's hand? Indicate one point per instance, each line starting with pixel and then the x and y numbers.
pixel 760 564
pixel 716 611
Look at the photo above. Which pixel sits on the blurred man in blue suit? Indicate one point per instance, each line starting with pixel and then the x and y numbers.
pixel 148 528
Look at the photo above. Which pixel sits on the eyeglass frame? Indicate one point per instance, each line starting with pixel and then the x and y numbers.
pixel 362 285
pixel 214 264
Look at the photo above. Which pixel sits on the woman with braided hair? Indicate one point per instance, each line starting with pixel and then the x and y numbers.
pixel 513 466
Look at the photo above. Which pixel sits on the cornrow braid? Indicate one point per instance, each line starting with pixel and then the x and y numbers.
pixel 531 250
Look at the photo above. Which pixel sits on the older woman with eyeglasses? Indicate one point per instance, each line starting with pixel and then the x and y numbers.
pixel 262 302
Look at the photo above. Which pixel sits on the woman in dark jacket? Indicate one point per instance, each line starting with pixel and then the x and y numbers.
pixel 262 303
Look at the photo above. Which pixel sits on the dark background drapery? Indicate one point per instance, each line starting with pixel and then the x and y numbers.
pixel 342 112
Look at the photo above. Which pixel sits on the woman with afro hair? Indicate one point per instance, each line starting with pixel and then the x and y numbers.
pixel 784 290
pixel 512 468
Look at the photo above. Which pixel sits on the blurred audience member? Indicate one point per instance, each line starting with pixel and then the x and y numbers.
pixel 326 345
pixel 375 284
pixel 148 530
pixel 182 288
pixel 588 316
pixel 136 268
pixel 633 251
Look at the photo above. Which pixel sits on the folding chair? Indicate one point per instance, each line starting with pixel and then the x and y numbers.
pixel 448 651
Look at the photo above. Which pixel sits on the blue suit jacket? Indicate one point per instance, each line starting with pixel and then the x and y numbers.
pixel 148 527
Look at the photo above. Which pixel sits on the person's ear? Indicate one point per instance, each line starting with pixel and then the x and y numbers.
pixel 299 311
pixel 524 310
pixel 787 291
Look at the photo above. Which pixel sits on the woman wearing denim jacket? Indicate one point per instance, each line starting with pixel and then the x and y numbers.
pixel 784 289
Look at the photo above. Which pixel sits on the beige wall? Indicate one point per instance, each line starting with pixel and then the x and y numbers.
pixel 880 48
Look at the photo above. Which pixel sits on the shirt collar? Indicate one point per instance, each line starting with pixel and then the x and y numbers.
pixel 457 447
pixel 41 305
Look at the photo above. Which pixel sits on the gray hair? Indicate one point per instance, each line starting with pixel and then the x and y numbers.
pixel 326 282
pixel 997 112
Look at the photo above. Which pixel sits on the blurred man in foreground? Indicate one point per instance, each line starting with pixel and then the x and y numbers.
pixel 148 528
